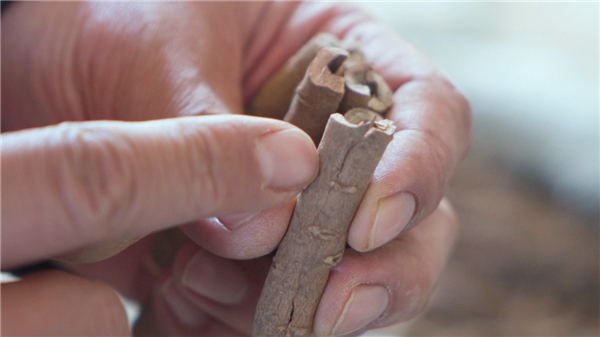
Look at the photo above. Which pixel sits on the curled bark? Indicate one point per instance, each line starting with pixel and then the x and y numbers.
pixel 274 97
pixel 382 96
pixel 316 238
pixel 360 73
pixel 319 94
pixel 356 95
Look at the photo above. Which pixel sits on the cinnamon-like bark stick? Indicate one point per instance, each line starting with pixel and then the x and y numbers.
pixel 359 71
pixel 274 97
pixel 382 96
pixel 319 94
pixel 316 237
pixel 356 95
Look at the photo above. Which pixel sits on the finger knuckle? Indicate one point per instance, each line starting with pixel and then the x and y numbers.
pixel 461 114
pixel 202 168
pixel 94 178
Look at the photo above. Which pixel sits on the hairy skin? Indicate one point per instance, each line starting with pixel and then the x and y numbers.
pixel 72 185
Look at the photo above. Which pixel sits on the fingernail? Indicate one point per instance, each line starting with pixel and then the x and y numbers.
pixel 288 159
pixel 366 304
pixel 235 221
pixel 393 214
pixel 187 314
pixel 215 278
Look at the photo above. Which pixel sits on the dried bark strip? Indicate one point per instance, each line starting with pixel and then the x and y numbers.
pixel 319 94
pixel 360 72
pixel 382 96
pixel 274 97
pixel 356 95
pixel 316 237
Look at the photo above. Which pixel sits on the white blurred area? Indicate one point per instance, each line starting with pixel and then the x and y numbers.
pixel 530 71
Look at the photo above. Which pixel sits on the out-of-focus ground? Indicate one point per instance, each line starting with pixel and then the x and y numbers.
pixel 527 259
pixel 524 265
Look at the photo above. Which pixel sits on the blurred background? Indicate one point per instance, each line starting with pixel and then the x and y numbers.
pixel 527 259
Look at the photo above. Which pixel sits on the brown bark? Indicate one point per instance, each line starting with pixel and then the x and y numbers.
pixel 360 72
pixel 274 97
pixel 316 237
pixel 382 96
pixel 356 95
pixel 319 94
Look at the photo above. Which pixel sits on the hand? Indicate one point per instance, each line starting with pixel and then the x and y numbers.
pixel 86 183
pixel 136 62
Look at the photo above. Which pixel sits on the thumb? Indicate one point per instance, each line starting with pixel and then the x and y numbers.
pixel 54 303
pixel 76 184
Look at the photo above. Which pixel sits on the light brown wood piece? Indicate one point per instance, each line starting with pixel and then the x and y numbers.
pixel 381 94
pixel 316 238
pixel 319 94
pixel 356 95
pixel 274 97
pixel 357 115
pixel 359 71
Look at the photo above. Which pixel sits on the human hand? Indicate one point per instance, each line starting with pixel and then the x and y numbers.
pixel 391 280
pixel 86 183
pixel 434 132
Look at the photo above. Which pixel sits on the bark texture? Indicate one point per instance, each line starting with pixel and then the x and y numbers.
pixel 319 94
pixel 317 234
pixel 274 97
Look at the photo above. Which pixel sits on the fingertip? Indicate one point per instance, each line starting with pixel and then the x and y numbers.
pixel 366 304
pixel 57 303
pixel 386 220
pixel 287 158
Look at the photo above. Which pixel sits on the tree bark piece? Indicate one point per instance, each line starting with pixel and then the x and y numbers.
pixel 316 238
pixel 360 72
pixel 356 95
pixel 358 115
pixel 274 97
pixel 381 94
pixel 319 94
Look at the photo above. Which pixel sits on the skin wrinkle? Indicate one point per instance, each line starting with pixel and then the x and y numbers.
pixel 260 57
pixel 72 88
pixel 110 32
pixel 249 60
pixel 210 176
pixel 102 194
pixel 225 41
pixel 194 146
pixel 450 111
pixel 281 46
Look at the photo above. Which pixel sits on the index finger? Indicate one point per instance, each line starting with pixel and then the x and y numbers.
pixel 78 184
